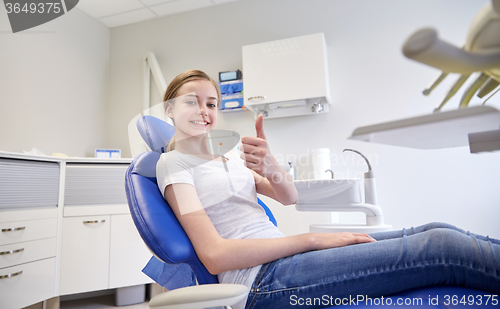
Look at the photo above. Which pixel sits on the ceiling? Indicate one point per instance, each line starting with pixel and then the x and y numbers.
pixel 114 13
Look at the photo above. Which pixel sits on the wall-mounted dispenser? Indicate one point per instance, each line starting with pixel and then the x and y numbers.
pixel 287 77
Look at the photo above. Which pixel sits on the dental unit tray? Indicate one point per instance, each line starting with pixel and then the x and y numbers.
pixel 434 131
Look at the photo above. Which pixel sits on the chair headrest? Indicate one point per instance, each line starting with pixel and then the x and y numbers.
pixel 145 164
pixel 155 132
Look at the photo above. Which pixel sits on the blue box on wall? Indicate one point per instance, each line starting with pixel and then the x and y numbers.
pixel 231 87
pixel 232 94
pixel 232 101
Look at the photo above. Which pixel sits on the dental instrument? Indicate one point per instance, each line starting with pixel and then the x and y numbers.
pixel 435 83
pixel 487 87
pixel 480 53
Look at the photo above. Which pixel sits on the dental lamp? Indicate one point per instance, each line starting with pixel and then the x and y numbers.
pixel 480 53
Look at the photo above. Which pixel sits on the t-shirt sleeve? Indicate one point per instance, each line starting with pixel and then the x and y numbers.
pixel 170 169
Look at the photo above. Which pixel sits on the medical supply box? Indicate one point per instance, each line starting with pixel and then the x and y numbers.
pixel 232 94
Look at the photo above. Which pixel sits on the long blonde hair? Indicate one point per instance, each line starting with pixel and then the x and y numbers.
pixel 173 89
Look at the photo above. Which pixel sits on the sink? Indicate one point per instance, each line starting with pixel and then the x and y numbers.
pixel 322 193
pixel 340 195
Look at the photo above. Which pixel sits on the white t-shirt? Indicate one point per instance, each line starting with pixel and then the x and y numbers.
pixel 228 195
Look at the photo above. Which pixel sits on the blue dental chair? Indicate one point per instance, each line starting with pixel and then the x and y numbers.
pixel 166 239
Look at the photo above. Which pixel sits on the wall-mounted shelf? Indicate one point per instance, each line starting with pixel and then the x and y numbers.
pixel 434 131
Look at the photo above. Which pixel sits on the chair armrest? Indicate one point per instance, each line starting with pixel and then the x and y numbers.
pixel 200 296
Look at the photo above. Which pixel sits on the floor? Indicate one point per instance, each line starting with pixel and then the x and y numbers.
pixel 100 302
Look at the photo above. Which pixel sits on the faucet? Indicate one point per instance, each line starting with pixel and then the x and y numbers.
pixel 330 172
pixel 291 170
pixel 370 187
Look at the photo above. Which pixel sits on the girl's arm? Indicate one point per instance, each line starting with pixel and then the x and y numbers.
pixel 279 188
pixel 219 254
pixel 270 179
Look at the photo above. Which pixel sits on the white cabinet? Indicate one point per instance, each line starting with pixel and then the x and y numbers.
pixel 287 77
pixel 29 191
pixel 65 228
pixel 84 254
pixel 101 252
pixel 127 255
pixel 101 248
pixel 28 249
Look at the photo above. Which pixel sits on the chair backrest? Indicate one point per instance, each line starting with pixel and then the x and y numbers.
pixel 155 221
pixel 153 217
pixel 155 132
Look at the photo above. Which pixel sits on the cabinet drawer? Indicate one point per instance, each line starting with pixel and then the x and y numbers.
pixel 27 284
pixel 20 253
pixel 20 231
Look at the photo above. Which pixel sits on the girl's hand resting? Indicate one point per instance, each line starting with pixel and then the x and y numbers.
pixel 322 241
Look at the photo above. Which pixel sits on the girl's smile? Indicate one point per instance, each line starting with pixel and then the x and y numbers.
pixel 195 109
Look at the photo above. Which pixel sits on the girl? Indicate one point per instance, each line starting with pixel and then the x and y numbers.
pixel 215 200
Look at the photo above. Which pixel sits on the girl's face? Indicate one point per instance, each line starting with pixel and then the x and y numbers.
pixel 195 109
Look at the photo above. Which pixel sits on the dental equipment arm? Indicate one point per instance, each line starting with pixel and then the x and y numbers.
pixel 425 46
pixel 480 53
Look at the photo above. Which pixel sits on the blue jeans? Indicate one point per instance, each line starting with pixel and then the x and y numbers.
pixel 432 254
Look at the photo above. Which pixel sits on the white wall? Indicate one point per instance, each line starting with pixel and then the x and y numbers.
pixel 371 82
pixel 53 85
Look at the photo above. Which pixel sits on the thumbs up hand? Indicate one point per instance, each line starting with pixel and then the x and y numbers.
pixel 256 152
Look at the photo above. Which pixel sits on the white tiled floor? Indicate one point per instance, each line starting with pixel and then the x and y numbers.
pixel 101 302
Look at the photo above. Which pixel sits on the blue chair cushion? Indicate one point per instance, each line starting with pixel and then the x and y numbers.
pixel 155 132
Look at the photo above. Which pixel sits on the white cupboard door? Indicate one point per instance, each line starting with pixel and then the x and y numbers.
pixel 285 70
pixel 84 254
pixel 128 254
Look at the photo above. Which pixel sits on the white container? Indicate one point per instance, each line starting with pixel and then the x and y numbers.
pixel 287 77
pixel 320 160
